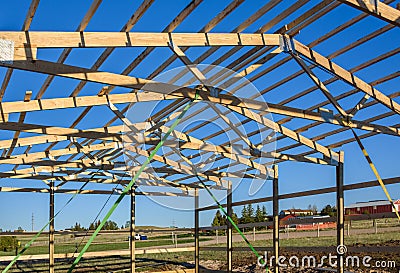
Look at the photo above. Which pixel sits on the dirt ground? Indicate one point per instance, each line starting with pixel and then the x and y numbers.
pixel 387 253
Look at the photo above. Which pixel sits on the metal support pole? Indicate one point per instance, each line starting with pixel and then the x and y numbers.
pixel 318 230
pixel 340 211
pixel 196 231
pixel 132 231
pixel 229 228
pixel 275 209
pixel 51 229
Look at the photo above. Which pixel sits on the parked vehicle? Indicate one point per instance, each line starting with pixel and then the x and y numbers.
pixel 140 237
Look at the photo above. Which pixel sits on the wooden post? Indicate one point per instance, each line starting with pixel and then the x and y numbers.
pixel 318 230
pixel 229 228
pixel 275 209
pixel 51 228
pixel 340 211
pixel 376 226
pixel 196 231
pixel 348 229
pixel 216 232
pixel 132 230
pixel 254 234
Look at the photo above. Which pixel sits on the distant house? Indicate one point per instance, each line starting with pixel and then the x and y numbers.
pixel 287 221
pixel 371 207
pixel 296 212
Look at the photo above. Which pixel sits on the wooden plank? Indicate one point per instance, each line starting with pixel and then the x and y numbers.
pixel 379 10
pixel 32 157
pixel 285 131
pixel 347 76
pixel 44 39
pixel 31 13
pixel 99 133
pixel 83 101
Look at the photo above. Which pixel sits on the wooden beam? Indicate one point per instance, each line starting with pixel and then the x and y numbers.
pixel 285 131
pixel 74 191
pixel 98 133
pixel 31 13
pixel 45 39
pixel 86 101
pixel 346 75
pixel 33 157
pixel 378 9
pixel 83 101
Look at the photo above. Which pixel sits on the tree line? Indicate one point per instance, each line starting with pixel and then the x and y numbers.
pixel 248 215
pixel 251 215
pixel 109 225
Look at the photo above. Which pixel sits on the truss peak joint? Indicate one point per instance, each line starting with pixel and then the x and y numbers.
pixel 286 44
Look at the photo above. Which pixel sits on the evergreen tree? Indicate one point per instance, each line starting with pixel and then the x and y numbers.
pixel 77 227
pixel 259 215
pixel 251 215
pixel 264 212
pixel 244 215
pixel 224 220
pixel 235 218
pixel 216 221
pixel 329 210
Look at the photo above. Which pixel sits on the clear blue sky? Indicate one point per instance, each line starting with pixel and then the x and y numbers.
pixel 16 209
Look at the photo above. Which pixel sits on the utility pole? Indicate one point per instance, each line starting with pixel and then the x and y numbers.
pixel 33 221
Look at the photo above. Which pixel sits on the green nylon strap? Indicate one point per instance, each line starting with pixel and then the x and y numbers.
pixel 232 222
pixel 131 183
pixel 27 245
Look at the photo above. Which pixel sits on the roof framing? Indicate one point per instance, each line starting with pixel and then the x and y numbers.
pixel 255 55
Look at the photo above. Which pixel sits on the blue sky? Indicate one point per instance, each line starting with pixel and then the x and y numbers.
pixel 16 209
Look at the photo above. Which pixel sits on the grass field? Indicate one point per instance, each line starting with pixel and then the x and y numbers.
pixel 70 248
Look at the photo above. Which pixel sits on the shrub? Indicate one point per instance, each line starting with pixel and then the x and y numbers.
pixel 8 243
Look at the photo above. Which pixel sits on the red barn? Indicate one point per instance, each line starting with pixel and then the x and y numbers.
pixel 371 207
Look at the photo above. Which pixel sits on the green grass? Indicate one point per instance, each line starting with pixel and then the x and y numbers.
pixel 70 248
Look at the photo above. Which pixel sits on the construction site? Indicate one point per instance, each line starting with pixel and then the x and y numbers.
pixel 155 111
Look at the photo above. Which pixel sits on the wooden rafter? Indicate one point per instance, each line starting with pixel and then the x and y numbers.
pixel 377 9
pixel 346 76
pixel 88 148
